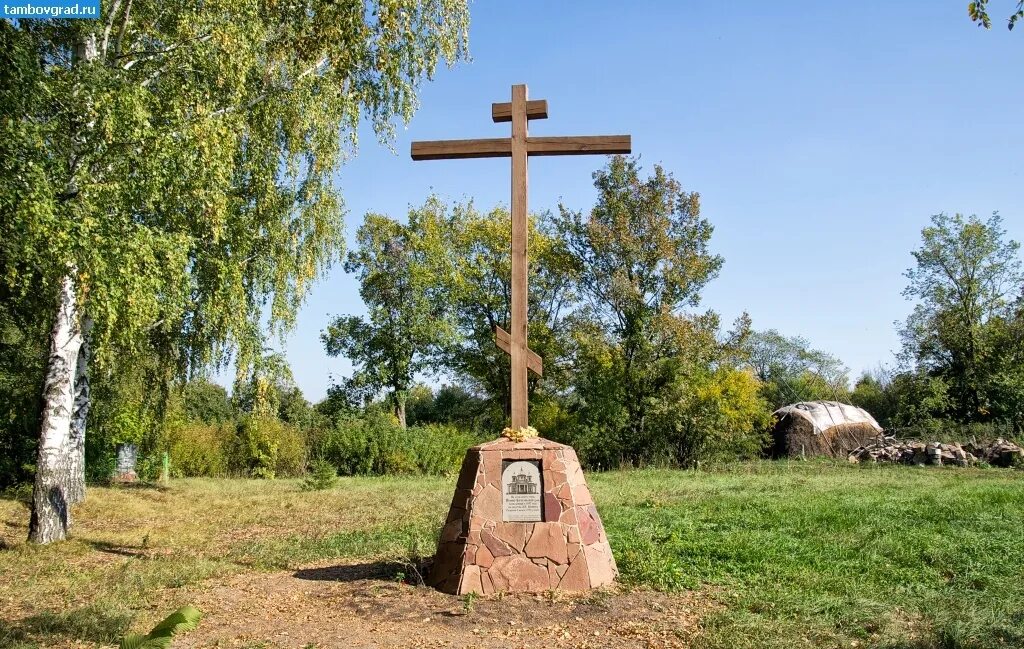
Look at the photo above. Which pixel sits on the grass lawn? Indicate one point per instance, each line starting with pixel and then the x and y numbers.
pixel 786 554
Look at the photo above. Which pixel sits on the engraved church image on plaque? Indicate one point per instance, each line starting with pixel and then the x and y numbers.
pixel 521 491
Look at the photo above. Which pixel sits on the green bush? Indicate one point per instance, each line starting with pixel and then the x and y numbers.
pixel 322 475
pixel 706 416
pixel 720 416
pixel 291 451
pixel 198 449
pixel 261 447
pixel 100 459
pixel 599 445
pixel 376 445
pixel 266 447
pixel 438 448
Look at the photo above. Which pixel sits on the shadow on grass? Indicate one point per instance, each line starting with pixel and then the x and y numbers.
pixel 89 624
pixel 376 571
pixel 106 547
pixel 136 486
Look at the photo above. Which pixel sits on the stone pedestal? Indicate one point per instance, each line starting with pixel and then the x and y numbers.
pixel 562 547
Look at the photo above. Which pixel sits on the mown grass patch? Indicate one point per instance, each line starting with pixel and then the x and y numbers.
pixel 888 556
pixel 792 552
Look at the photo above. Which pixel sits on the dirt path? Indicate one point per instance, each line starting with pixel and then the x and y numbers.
pixel 358 606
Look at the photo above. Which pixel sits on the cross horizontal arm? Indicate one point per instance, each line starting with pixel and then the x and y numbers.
pixel 503 339
pixel 578 145
pixel 500 147
pixel 535 109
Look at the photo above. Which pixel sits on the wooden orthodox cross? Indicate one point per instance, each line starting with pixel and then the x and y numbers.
pixel 518 147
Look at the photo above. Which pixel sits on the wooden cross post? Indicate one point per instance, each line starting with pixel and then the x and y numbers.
pixel 519 147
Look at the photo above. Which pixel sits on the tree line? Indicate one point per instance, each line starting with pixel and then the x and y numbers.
pixel 632 373
pixel 635 372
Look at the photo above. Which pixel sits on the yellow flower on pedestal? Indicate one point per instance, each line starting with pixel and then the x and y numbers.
pixel 520 434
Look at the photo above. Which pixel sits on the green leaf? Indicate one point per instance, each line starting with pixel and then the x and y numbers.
pixel 184 619
pixel 133 641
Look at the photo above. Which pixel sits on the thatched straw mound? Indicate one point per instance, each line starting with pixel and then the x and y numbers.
pixel 821 428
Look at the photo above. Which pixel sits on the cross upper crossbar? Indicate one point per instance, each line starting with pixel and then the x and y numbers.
pixel 535 109
pixel 519 147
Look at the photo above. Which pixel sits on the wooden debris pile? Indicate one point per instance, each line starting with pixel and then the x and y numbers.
pixel 1001 452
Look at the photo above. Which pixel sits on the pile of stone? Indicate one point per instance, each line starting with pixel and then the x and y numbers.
pixel 1001 452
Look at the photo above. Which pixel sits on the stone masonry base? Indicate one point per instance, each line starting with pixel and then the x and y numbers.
pixel 479 552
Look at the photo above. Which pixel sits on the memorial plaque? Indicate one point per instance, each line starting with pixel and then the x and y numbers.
pixel 521 491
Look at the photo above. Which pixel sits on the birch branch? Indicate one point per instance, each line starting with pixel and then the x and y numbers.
pixel 109 26
pixel 322 63
pixel 124 27
pixel 146 55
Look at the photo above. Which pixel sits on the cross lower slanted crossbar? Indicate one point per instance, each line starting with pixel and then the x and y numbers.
pixel 503 339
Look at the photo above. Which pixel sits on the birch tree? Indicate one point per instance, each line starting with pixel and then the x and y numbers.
pixel 978 12
pixel 166 171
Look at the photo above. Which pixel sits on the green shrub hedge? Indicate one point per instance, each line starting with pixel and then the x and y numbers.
pixel 264 447
pixel 259 447
pixel 198 449
pixel 375 445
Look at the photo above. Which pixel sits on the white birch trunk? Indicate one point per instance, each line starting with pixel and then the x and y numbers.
pixel 51 516
pixel 76 440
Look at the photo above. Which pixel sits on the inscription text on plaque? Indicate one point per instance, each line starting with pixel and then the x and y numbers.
pixel 521 491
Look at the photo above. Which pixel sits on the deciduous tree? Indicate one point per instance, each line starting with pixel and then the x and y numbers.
pixel 641 257
pixel 966 278
pixel 407 318
pixel 790 370
pixel 479 290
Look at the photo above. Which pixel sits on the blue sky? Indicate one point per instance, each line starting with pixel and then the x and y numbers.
pixel 821 137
